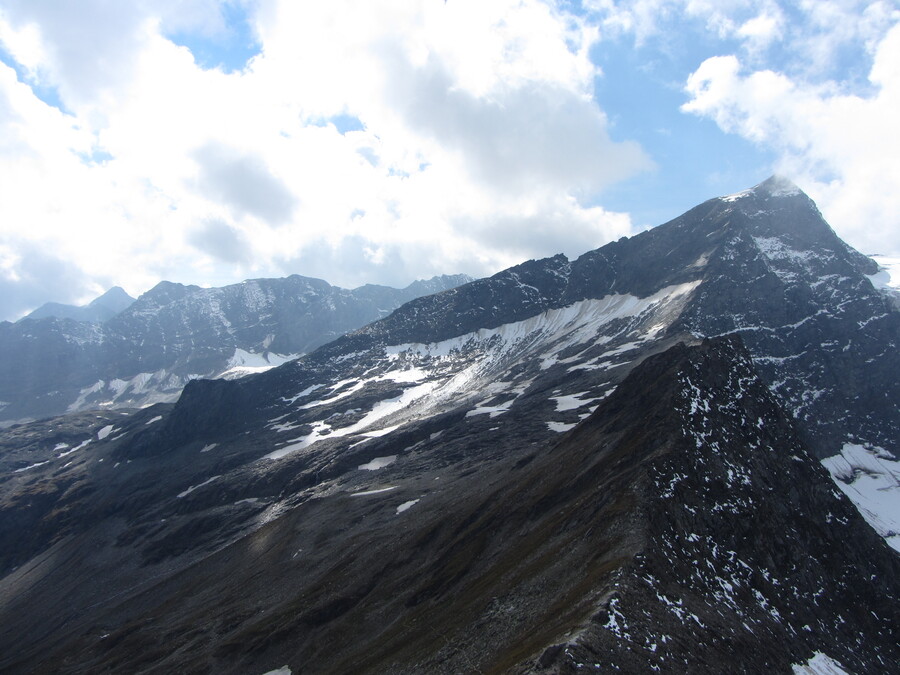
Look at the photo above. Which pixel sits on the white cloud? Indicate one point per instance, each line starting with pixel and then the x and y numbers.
pixel 842 148
pixel 762 30
pixel 243 182
pixel 832 26
pixel 481 143
pixel 479 140
pixel 654 19
pixel 813 35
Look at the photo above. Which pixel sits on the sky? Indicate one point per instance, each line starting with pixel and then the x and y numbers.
pixel 211 141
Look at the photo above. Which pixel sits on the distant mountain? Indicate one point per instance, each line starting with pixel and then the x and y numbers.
pixel 174 333
pixel 677 453
pixel 100 309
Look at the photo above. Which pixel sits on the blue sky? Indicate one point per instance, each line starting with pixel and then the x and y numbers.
pixel 209 141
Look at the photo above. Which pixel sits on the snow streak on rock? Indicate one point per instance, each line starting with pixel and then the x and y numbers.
pixel 591 335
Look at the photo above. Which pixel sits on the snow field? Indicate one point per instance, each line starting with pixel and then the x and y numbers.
pixel 889 274
pixel 446 372
pixel 246 363
pixel 870 478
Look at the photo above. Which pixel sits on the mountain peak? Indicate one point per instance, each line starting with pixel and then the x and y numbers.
pixel 777 186
pixel 774 186
pixel 115 300
pixel 99 310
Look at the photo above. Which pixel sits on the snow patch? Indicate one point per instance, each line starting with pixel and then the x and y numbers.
pixel 775 249
pixel 702 261
pixel 560 427
pixel 247 363
pixel 616 621
pixel 197 487
pixel 143 389
pixel 888 275
pixel 405 506
pixel 450 371
pixel 33 466
pixel 735 196
pixel 378 463
pixel 105 431
pixel 381 432
pixel 75 449
pixel 356 386
pixel 84 394
pixel 491 410
pixel 374 492
pixel 819 664
pixel 305 392
pixel 870 477
pixel 572 401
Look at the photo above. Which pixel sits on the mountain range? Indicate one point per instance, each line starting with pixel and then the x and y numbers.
pixel 117 352
pixel 676 453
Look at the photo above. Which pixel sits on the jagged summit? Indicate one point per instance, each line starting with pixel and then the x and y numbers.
pixel 787 228
pixel 773 186
pixel 778 186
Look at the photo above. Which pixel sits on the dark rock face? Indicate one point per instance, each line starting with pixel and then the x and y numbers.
pixel 752 560
pixel 545 471
pixel 682 526
pixel 146 350
pixel 821 335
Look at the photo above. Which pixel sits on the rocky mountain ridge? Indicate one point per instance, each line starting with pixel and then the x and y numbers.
pixel 554 469
pixel 149 349
pixel 772 270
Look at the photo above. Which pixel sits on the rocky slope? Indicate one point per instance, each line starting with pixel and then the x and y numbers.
pixel 682 527
pixel 545 471
pixel 65 361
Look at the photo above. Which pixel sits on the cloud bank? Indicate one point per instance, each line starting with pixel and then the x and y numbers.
pixel 207 141
pixel 473 142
